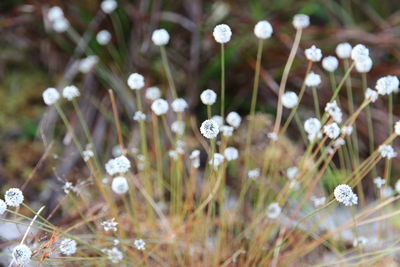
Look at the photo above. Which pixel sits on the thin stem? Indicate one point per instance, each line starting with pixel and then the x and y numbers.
pixel 168 72
pixel 222 80
pixel 316 102
pixel 116 121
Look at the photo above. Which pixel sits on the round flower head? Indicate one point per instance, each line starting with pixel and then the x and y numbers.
pixel 109 225
pixel 397 128
pixel 313 54
pixel 386 151
pixel 70 92
pixel 108 6
pixel 332 130
pixel 208 97
pixel 290 99
pixel 160 37
pixel 312 126
pixel 68 246
pixel 334 111
pixel 371 95
pixel 253 174
pixel 178 127
pixel 3 207
pixel 313 80
pixel 363 64
pixel 159 107
pixel 386 85
pixel 120 164
pixel 87 154
pixel 234 119
pixel 379 182
pixel 359 51
pixel 318 201
pixel 219 120
pixel 22 255
pixel 103 37
pixel 330 63
pixel 114 255
pixel 344 194
pixel 301 21
pixel 153 93
pixel 136 81
pixel 88 63
pixel 263 29
pixel 343 50
pixel 231 153
pixel 13 197
pixel 347 130
pixel 139 116
pixel 195 158
pixel 120 185
pixel 222 33
pixel 227 130
pixel 273 210
pixel 217 160
pixel 292 173
pixel 209 129
pixel 50 96
pixel 179 105
pixel 139 244
pixel 55 13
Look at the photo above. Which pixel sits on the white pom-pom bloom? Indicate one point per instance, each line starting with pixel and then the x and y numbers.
pixel 318 201
pixel 222 33
pixel 139 116
pixel 139 244
pixel 87 154
pixel 344 194
pixel 301 21
pixel 332 130
pixel 195 158
pixel 136 81
pixel 386 85
pixel 217 160
pixel 50 96
pixel 312 126
pixel 179 105
pixel 116 151
pixel 253 174
pixel 273 210
pixel 313 137
pixel 3 207
pixel 114 254
pixel 387 151
pixel 120 164
pixel 313 54
pixel 379 182
pixel 208 97
pixel 70 92
pixel 13 197
pixel 108 6
pixel 263 29
pixel 219 120
pixel 153 93
pixel 160 37
pixel 209 129
pixel 22 255
pixel 88 63
pixel 110 225
pixel 343 50
pixel 103 37
pixel 347 130
pixel 290 99
pixel 313 79
pixel 363 64
pixel 55 13
pixel 330 63
pixel 68 246
pixel 234 119
pixel 371 95
pixel 61 25
pixel 359 51
pixel 160 107
pixel 231 153
pixel 227 130
pixel 334 111
pixel 119 185
pixel 292 172
pixel 178 127
pixel 397 128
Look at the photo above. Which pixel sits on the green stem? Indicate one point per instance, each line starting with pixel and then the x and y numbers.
pixel 168 72
pixel 222 81
pixel 316 102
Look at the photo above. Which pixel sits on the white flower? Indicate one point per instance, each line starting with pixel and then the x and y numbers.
pixel 363 64
pixel 332 130
pixel 139 244
pixel 263 29
pixel 222 33
pixel 173 154
pixel 3 207
pixel 55 13
pixel 312 126
pixel 313 54
pixel 87 154
pixel 219 120
pixel 234 119
pixel 178 127
pixel 292 172
pixel 301 21
pixel 208 97
pixel 180 147
pixel 294 185
pixel 273 210
pixel 13 197
pixel 387 191
pixel 253 174
pixel 231 153
pixel 379 182
pixel 359 51
pixel 290 99
pixel 397 186
pixel 371 95
pixel 103 37
pixel 160 37
pixel 216 160
pixel 318 201
pixel 88 63
pixel 347 130
pixel 179 105
pixel 386 85
pixel 120 164
pixel 227 130
pixel 209 129
pixel 139 116
pixel 360 241
pixel 136 81
pixel 344 194
pixel 387 151
pixel 195 158
pixel 119 185
pixel 68 187
pixel 60 25
pixel 313 79
pixel 339 142
pixel 110 225
pixel 116 151
pixel 22 255
pixel 153 93
pixel 160 107
pixel 114 254
pixel 68 246
pixel 50 96
pixel 272 136
pixel 108 6
pixel 330 63
pixel 70 92
pixel 397 128
pixel 334 111
pixel 343 50
pixel 312 137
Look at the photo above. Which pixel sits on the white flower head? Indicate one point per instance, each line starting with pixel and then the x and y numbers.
pixel 110 225
pixel 227 130
pixel 379 182
pixel 208 97
pixel 387 191
pixel 290 99
pixel 219 120
pixel 209 129
pixel 332 130
pixel 178 127
pixel 50 96
pixel 334 111
pixel 173 154
pixel 312 126
pixel 339 142
pixel 216 160
pixel 70 92
pixel 387 85
pixel 120 165
pixel 387 151
pixel 360 241
pixel 301 21
pixel 60 25
pixel 397 128
pixel 116 151
pixel 22 255
pixel 344 194
pixel 318 201
pixel 153 93
pixel 103 37
pixel 347 130
pixel 3 207
pixel 330 63
pixel 343 50
pixel 120 185
pixel 160 107
pixel 292 173
pixel 314 136
pixel 114 254
pixel 363 64
pixel 69 187
pixel 253 174
pixel 397 186
pixel 371 95
pixel 160 37
pixel 87 154
pixel 68 246
pixel 55 13
pixel 179 105
pixel 273 210
pixel 234 119
pixel 87 64
pixel 14 197
pixel 313 54
pixel 263 29
pixel 313 79
pixel 136 81
pixel 139 244
pixel 139 116
pixel 273 136
pixel 231 153
pixel 195 158
pixel 359 51
pixel 108 6
pixel 222 33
